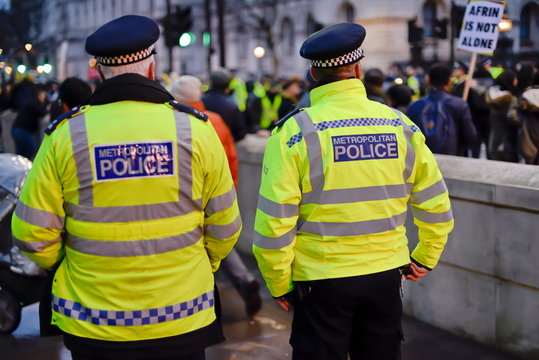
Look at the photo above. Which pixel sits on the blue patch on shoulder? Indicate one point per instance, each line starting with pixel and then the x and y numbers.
pixel 133 160
pixel 365 147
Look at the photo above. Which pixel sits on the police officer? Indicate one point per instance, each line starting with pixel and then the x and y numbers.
pixel 135 209
pixel 329 229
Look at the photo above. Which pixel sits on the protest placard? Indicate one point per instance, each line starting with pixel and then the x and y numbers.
pixel 479 32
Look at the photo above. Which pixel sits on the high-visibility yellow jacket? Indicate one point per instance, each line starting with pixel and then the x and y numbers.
pixel 136 201
pixel 336 181
pixel 270 110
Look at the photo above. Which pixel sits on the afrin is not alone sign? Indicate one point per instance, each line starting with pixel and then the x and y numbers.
pixel 479 31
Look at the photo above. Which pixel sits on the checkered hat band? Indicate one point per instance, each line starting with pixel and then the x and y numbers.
pixel 345 59
pixel 182 310
pixel 126 59
pixel 350 123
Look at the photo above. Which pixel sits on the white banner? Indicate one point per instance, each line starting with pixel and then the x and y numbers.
pixel 479 31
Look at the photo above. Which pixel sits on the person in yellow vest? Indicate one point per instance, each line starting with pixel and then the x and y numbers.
pixel 135 207
pixel 238 90
pixel 329 236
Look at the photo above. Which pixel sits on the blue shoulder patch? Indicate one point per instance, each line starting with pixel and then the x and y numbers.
pixel 67 115
pixel 188 109
pixel 286 117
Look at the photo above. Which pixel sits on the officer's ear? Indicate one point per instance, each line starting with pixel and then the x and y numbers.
pixel 313 73
pixel 100 72
pixel 151 70
pixel 357 70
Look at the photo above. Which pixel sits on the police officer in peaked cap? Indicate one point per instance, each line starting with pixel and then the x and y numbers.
pixel 133 208
pixel 329 235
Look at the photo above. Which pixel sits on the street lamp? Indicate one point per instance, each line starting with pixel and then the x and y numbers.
pixel 259 52
pixel 47 68
pixel 8 70
pixel 505 24
pixel 28 47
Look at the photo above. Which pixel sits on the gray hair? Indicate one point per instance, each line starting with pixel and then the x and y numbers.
pixel 140 67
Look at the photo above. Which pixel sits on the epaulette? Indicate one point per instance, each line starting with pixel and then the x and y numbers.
pixel 286 117
pixel 67 115
pixel 188 109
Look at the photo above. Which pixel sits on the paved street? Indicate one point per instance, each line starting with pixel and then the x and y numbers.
pixel 263 338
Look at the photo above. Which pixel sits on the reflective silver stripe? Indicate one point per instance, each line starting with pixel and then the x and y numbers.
pixel 369 193
pixel 354 228
pixel 37 217
pixel 223 231
pixel 33 246
pixel 113 214
pixel 432 218
pixel 438 188
pixel 221 202
pixel 77 311
pixel 410 151
pixel 185 154
pixel 134 247
pixel 316 165
pixel 81 153
pixel 272 243
pixel 275 209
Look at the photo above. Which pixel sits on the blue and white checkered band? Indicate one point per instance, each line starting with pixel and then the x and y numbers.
pixel 345 59
pixel 152 316
pixel 126 59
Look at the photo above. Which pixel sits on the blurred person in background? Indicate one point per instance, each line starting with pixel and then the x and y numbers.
pixel 526 114
pixel 502 143
pixel 476 101
pixel 445 119
pixel 26 125
pixel 72 92
pixel 374 81
pixel 399 97
pixel 217 100
pixel 188 90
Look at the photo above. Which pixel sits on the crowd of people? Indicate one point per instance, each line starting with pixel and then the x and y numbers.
pixel 499 120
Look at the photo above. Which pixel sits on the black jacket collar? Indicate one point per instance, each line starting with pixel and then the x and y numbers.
pixel 132 87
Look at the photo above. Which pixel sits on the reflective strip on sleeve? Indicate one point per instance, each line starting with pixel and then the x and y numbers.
pixel 81 154
pixel 37 217
pixel 221 202
pixel 34 246
pixel 369 193
pixel 410 151
pixel 152 316
pixel 314 153
pixel 272 243
pixel 185 154
pixel 115 214
pixel 276 210
pixel 432 218
pixel 355 228
pixel 134 247
pixel 438 188
pixel 223 231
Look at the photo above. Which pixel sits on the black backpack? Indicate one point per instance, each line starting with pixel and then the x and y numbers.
pixel 435 121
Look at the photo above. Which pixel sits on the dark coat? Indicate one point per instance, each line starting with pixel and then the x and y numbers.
pixel 218 102
pixel 502 142
pixel 462 132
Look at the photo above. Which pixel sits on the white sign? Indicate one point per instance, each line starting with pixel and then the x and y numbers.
pixel 479 31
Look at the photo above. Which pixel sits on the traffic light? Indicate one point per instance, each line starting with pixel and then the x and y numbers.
pixel 415 32
pixel 176 24
pixel 440 28
pixel 457 16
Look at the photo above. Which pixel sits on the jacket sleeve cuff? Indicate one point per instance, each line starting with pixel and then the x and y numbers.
pixel 419 264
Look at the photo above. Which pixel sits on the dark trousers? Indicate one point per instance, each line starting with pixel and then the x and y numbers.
pixel 358 316
pixel 133 355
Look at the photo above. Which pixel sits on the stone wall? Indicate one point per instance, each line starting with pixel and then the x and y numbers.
pixel 486 285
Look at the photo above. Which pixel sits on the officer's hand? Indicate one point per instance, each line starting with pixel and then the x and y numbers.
pixel 285 302
pixel 417 272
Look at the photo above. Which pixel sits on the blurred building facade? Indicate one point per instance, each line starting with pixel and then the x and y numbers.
pixel 279 26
